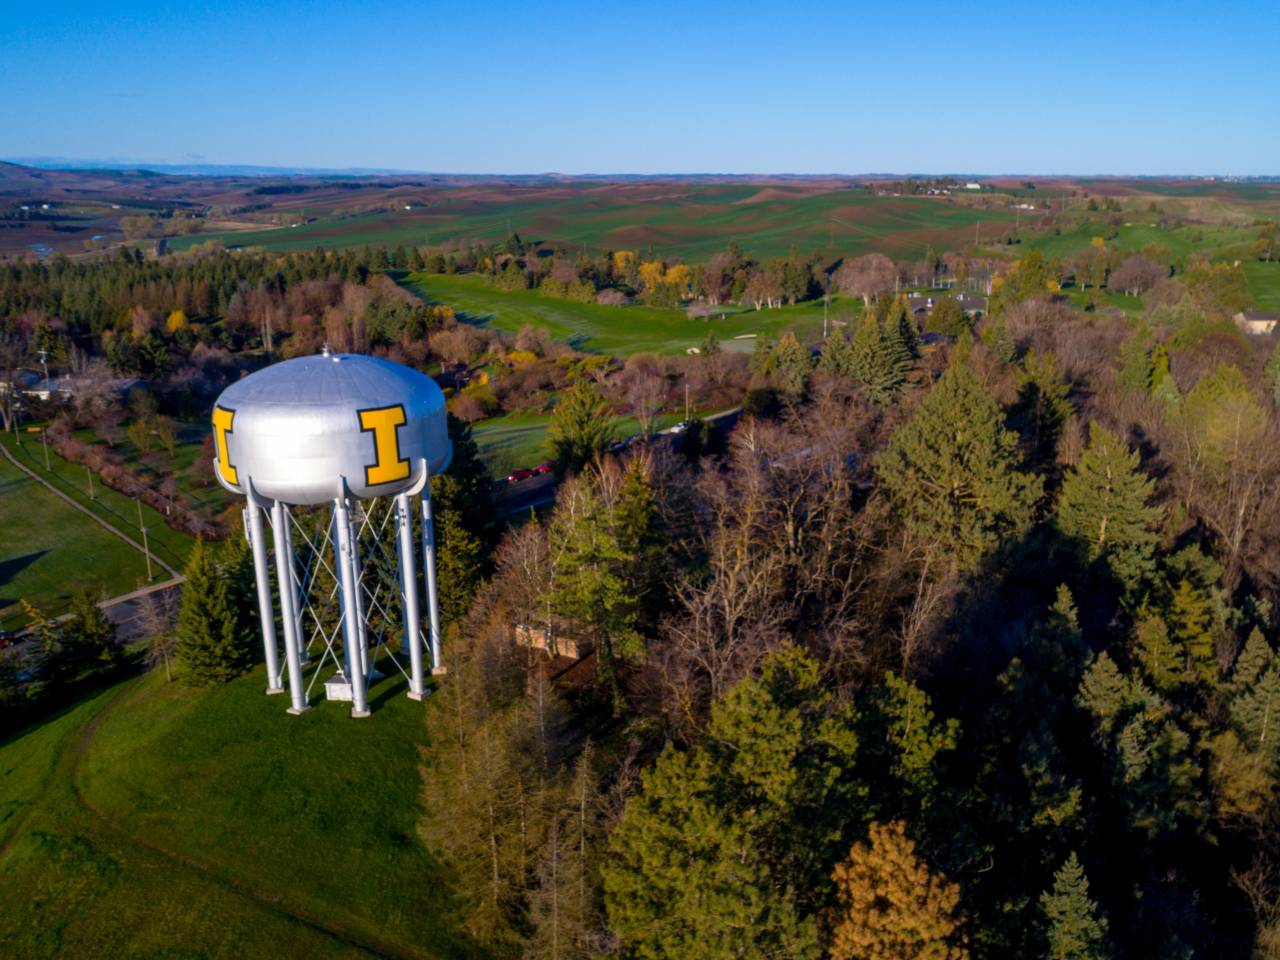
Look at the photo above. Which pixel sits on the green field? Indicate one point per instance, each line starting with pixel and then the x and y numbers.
pixel 690 220
pixel 517 440
pixel 616 330
pixel 48 550
pixel 53 549
pixel 155 820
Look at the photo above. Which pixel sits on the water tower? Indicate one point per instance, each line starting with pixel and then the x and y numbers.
pixel 351 440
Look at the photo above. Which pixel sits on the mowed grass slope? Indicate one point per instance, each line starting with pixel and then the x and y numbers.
pixel 690 220
pixel 48 550
pixel 617 330
pixel 157 820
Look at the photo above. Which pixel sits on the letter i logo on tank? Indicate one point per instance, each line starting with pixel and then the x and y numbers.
pixel 222 426
pixel 383 423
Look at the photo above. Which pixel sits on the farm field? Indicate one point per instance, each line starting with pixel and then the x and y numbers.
pixel 617 330
pixel 690 220
pixel 48 550
pixel 156 820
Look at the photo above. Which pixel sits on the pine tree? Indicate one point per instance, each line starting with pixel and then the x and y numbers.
pixel 900 326
pixel 88 637
pixel 1163 659
pixel 892 906
pixel 723 852
pixel 791 365
pixel 580 428
pixel 459 566
pixel 838 358
pixel 999 341
pixel 879 361
pixel 1104 506
pixel 1191 627
pixel 211 648
pixel 952 471
pixel 901 744
pixel 1255 697
pixel 1042 405
pixel 589 577
pixel 1075 927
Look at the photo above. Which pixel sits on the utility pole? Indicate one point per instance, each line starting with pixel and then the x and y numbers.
pixel 146 550
pixel 45 442
pixel 139 504
pixel 89 475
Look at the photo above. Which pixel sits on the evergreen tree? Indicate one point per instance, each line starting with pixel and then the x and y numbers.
pixel 879 361
pixel 1043 407
pixel 724 851
pixel 999 341
pixel 1163 659
pixel 459 566
pixel 88 637
pixel 590 585
pixel 838 357
pixel 948 318
pixel 580 428
pixel 1075 927
pixel 791 365
pixel 900 326
pixel 952 471
pixel 1191 628
pixel 211 647
pixel 466 487
pixel 901 745
pixel 892 906
pixel 1104 506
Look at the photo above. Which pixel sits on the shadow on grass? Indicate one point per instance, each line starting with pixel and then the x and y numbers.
pixel 15 565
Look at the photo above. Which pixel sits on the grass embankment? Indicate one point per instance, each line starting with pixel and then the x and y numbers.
pixel 620 331
pixel 153 820
pixel 49 549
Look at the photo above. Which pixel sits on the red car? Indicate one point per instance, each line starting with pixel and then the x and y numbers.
pixel 522 474
pixel 543 468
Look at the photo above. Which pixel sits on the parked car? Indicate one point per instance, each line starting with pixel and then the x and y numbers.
pixel 7 639
pixel 543 468
pixel 524 473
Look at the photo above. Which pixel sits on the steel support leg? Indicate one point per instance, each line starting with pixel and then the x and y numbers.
pixel 266 609
pixel 351 631
pixel 303 657
pixel 429 561
pixel 288 615
pixel 357 577
pixel 409 588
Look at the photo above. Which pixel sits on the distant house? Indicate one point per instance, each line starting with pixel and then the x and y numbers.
pixel 922 305
pixel 1258 323
pixel 973 186
pixel 554 641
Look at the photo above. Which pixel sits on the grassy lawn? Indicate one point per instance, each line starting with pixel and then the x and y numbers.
pixel 154 820
pixel 616 330
pixel 120 511
pixel 517 440
pixel 48 550
pixel 1264 283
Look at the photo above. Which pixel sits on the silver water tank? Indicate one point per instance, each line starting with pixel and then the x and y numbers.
pixel 302 429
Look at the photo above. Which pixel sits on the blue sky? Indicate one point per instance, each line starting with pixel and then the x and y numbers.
pixel 1119 87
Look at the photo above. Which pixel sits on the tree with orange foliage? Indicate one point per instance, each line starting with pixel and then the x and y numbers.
pixel 892 906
